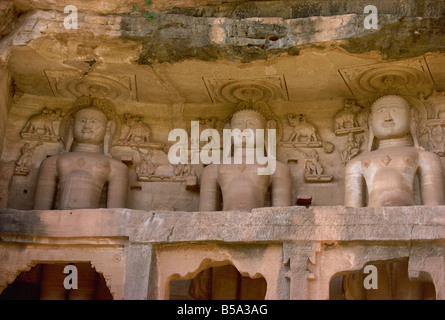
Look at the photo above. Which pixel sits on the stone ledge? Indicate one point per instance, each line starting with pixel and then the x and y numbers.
pixel 264 225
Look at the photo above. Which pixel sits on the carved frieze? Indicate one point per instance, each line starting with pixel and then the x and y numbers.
pixel 435 124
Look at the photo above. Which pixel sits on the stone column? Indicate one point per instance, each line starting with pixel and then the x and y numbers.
pixel 299 258
pixel 137 271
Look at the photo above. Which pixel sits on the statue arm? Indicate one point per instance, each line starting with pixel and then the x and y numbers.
pixel 46 185
pixel 117 186
pixel 210 195
pixel 281 186
pixel 431 179
pixel 354 185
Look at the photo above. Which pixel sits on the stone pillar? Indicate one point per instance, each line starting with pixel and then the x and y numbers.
pixel 299 258
pixel 426 263
pixel 138 271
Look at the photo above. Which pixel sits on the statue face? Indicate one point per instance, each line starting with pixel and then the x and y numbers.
pixel 390 120
pixel 89 126
pixel 247 119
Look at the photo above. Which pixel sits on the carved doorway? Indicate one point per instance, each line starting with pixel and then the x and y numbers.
pixel 391 282
pixel 219 283
pixel 46 282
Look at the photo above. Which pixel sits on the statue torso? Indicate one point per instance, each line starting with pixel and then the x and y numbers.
pixel 82 176
pixel 389 175
pixel 241 186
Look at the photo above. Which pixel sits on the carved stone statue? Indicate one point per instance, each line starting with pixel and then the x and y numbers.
pixel 240 188
pixel 22 164
pixel 83 173
pixel 239 185
pixel 389 171
pixel 389 174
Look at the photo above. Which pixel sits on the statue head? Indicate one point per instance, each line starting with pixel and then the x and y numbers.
pixel 90 126
pixel 247 119
pixel 391 118
pixel 91 122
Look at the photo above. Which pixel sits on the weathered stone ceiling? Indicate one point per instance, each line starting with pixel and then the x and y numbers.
pixel 302 49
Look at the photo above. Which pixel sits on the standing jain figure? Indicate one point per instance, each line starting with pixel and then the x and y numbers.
pixel 83 173
pixel 239 186
pixel 388 175
pixel 80 176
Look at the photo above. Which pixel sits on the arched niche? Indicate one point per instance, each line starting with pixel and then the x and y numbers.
pixel 186 261
pixel 221 282
pixel 381 280
pixel 45 281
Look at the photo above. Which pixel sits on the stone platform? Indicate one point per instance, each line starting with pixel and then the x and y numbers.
pixel 296 250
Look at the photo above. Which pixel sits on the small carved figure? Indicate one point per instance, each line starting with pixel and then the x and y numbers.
pixel 436 139
pixel 311 164
pixel 146 166
pixel 437 100
pixel 302 128
pixel 138 132
pixel 22 164
pixel 351 148
pixel 346 119
pixel 313 170
pixel 187 171
pixel 41 125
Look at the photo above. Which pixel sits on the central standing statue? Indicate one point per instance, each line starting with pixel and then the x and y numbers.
pixel 238 185
pixel 388 175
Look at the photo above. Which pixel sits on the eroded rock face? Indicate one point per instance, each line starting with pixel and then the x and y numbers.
pixel 7 14
pixel 233 30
